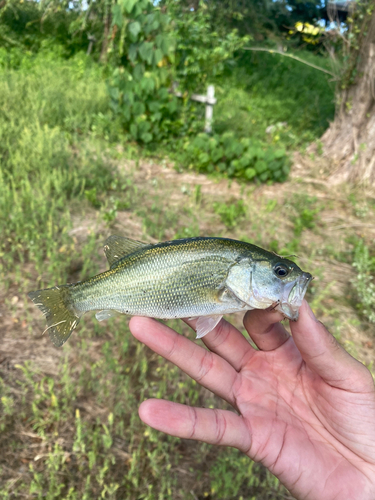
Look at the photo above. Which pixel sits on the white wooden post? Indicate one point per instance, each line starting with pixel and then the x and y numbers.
pixel 209 108
pixel 209 100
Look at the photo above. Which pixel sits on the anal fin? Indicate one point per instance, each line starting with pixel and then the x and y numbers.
pixel 106 314
pixel 206 324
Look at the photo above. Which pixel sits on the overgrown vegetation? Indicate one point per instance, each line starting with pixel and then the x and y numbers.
pixel 364 262
pixel 48 105
pixel 72 171
pixel 143 74
pixel 244 158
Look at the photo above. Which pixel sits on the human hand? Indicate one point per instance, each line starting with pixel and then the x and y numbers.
pixel 306 408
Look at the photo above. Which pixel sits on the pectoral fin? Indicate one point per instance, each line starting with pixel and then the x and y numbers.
pixel 206 324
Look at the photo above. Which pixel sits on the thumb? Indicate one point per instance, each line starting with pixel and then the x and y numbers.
pixel 325 356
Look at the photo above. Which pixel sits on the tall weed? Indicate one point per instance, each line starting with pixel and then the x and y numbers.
pixel 364 262
pixel 43 160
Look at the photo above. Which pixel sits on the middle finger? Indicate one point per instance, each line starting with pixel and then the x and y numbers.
pixel 207 368
pixel 228 342
pixel 265 329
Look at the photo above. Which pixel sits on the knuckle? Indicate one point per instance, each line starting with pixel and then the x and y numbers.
pixel 220 427
pixel 222 332
pixel 194 419
pixel 174 347
pixel 366 377
pixel 206 364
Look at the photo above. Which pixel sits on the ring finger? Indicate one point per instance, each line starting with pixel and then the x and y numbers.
pixel 265 329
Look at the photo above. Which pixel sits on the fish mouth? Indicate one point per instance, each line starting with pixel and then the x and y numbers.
pixel 293 294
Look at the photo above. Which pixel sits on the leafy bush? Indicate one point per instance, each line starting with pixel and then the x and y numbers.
pixel 242 158
pixel 27 26
pixel 139 85
pixel 364 283
pixel 202 51
pixel 150 50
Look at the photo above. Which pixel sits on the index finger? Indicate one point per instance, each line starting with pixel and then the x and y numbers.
pixel 205 367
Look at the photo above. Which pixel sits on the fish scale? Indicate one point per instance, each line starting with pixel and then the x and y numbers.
pixel 196 277
pixel 160 286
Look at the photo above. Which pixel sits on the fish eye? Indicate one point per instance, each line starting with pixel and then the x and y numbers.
pixel 281 270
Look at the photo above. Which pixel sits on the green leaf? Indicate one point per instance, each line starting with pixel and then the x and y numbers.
pixel 134 130
pixel 163 93
pixel 114 93
pixel 250 173
pixel 139 108
pixel 117 15
pixel 138 72
pixel 274 165
pixel 279 153
pixel 146 52
pixel 203 158
pixel 172 106
pixel 128 5
pixel 217 154
pixel 245 160
pixel 155 25
pixel 147 84
pixel 158 56
pixel 235 164
pixel 144 127
pixel 134 30
pixel 132 53
pixel 238 148
pixel 146 137
pixel 165 45
pixel 230 153
pixel 286 169
pixel 153 106
pixel 261 166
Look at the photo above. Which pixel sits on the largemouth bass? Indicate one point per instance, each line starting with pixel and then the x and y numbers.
pixel 203 278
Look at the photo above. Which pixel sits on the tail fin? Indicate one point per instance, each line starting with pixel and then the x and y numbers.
pixel 55 304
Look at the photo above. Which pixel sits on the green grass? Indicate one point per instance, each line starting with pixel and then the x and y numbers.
pixel 267 90
pixel 103 450
pixel 48 110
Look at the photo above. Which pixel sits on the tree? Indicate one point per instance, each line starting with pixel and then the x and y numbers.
pixel 350 139
pixel 263 19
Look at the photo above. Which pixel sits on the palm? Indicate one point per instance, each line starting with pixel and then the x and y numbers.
pixel 309 419
pixel 300 422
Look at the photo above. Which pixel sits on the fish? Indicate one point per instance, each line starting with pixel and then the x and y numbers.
pixel 200 277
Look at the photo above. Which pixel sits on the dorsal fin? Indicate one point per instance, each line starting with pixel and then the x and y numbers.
pixel 116 247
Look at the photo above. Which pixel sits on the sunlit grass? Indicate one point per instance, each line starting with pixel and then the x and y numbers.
pixel 275 99
pixel 44 163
